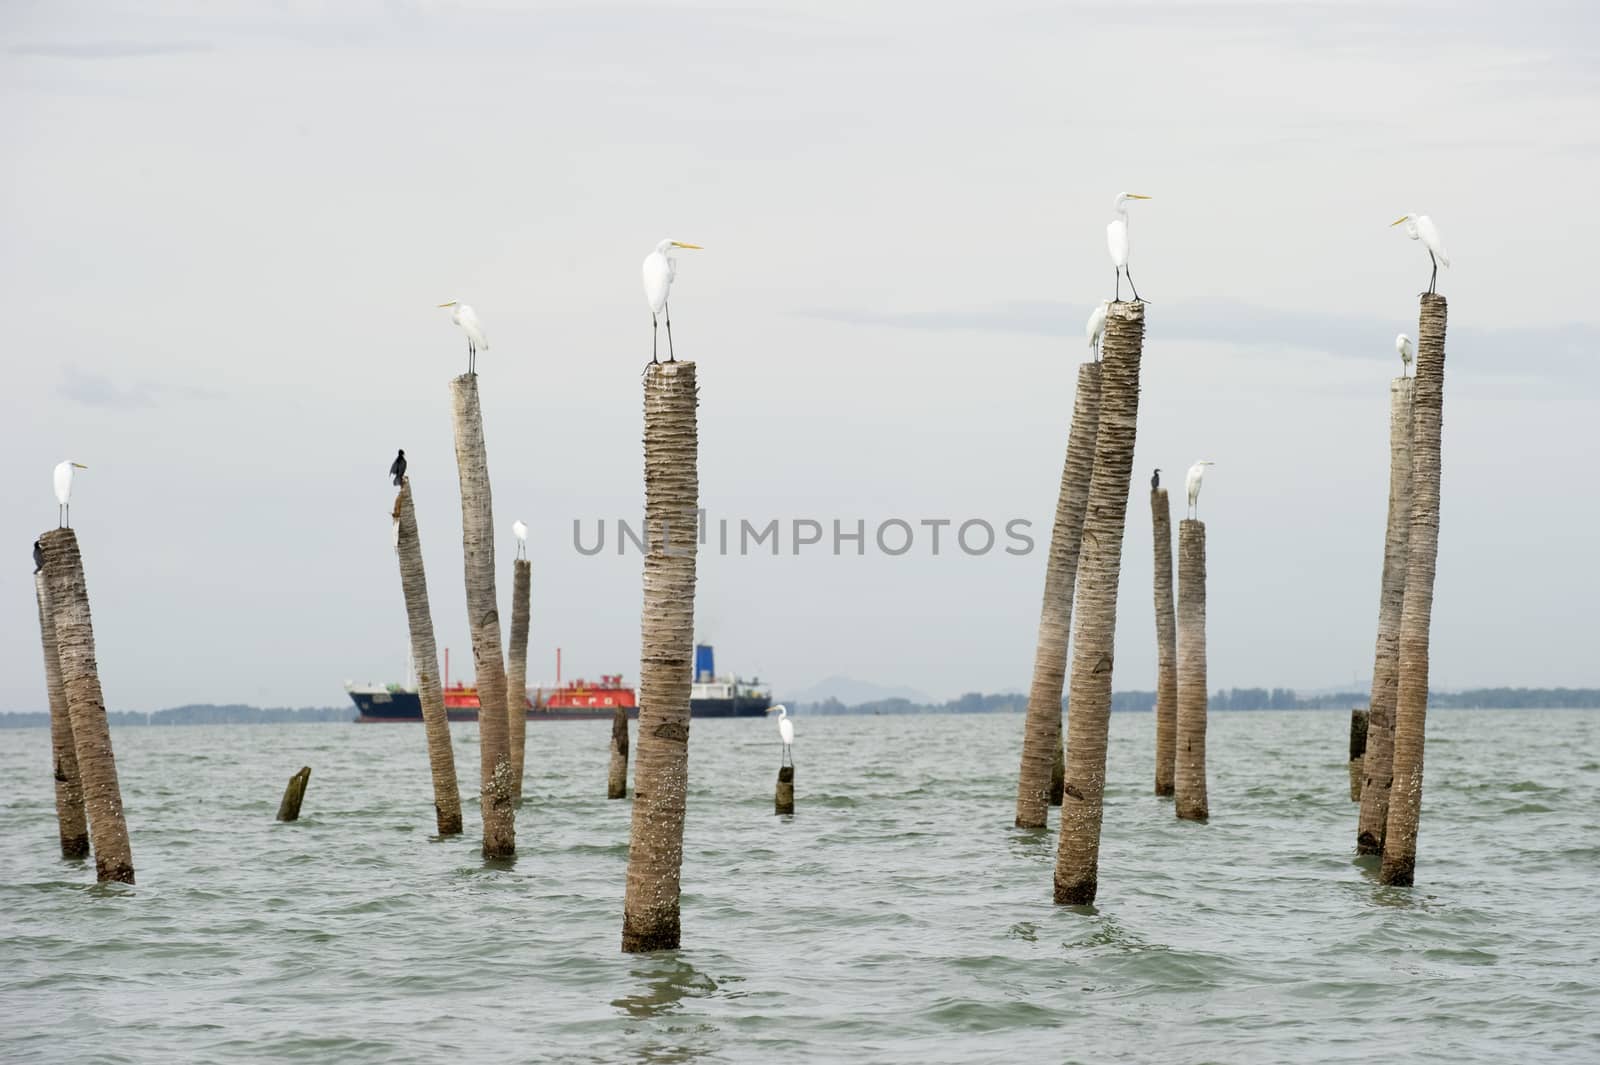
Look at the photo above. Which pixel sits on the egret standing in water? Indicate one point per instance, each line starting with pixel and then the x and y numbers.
pixel 63 478
pixel 1117 241
pixel 1095 327
pixel 1421 227
pixel 660 271
pixel 467 319
pixel 397 469
pixel 785 732
pixel 520 531
pixel 1197 473
pixel 1402 344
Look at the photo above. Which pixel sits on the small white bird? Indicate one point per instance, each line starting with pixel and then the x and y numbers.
pixel 477 340
pixel 1421 227
pixel 660 271
pixel 1095 327
pixel 1402 344
pixel 520 531
pixel 1197 473
pixel 785 730
pixel 1117 240
pixel 63 479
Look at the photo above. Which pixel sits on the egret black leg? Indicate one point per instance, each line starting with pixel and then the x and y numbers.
pixel 655 333
pixel 1131 285
pixel 672 356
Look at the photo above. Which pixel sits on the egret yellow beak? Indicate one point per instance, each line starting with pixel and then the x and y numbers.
pixel 452 303
pixel 79 466
pixel 1397 221
pixel 681 244
pixel 1136 196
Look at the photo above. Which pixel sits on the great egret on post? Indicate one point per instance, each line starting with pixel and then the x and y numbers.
pixel 397 469
pixel 63 478
pixel 1421 227
pixel 785 730
pixel 1197 473
pixel 1095 327
pixel 1155 479
pixel 467 319
pixel 520 531
pixel 1402 344
pixel 1117 241
pixel 660 271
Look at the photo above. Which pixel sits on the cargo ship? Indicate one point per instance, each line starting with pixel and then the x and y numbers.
pixel 578 700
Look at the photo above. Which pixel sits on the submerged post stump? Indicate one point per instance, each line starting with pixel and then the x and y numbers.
pixel 617 778
pixel 1166 644
pixel 483 619
pixel 294 795
pixel 783 797
pixel 517 682
pixel 650 918
pixel 1358 749
pixel 1077 875
pixel 1189 769
pixel 1377 765
pixel 80 680
pixel 1422 554
pixel 71 823
pixel 1039 780
pixel 425 660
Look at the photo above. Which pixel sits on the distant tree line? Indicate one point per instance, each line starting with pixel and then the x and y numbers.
pixel 201 714
pixel 1236 699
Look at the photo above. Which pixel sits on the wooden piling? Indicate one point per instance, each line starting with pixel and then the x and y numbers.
pixel 71 824
pixel 294 795
pixel 783 798
pixel 80 680
pixel 1077 875
pixel 661 774
pixel 1416 612
pixel 617 779
pixel 1166 644
pixel 483 619
pixel 517 682
pixel 1377 766
pixel 1358 749
pixel 425 660
pixel 1189 767
pixel 1037 789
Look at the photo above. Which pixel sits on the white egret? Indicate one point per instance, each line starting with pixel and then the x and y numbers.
pixel 520 531
pixel 1117 240
pixel 1095 327
pixel 1421 227
pixel 1197 473
pixel 397 468
pixel 63 478
pixel 467 319
pixel 660 271
pixel 785 729
pixel 1402 344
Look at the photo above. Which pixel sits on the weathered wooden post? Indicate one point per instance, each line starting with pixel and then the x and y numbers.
pixel 1041 736
pixel 661 774
pixel 80 680
pixel 72 826
pixel 1377 765
pixel 1358 748
pixel 425 659
pixel 517 683
pixel 1422 553
pixel 294 795
pixel 1077 875
pixel 617 779
pixel 1166 644
pixel 483 619
pixel 783 797
pixel 1189 768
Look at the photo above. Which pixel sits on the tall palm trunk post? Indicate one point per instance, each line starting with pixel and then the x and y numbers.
pixel 1041 736
pixel 1189 769
pixel 74 829
pixel 425 659
pixel 517 682
pixel 80 680
pixel 1077 874
pixel 483 620
pixel 1166 644
pixel 1377 764
pixel 1422 553
pixel 650 918
pixel 617 778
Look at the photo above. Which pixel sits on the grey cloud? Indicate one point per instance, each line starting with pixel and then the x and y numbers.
pixel 110 49
pixel 97 390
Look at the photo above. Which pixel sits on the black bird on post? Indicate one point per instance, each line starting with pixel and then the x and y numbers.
pixel 38 556
pixel 1155 479
pixel 398 469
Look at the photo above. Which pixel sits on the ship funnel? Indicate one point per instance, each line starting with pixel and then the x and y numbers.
pixel 704 667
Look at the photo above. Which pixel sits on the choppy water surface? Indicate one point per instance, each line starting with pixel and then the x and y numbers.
pixel 898 918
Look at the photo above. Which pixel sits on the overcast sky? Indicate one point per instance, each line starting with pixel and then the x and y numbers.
pixel 224 235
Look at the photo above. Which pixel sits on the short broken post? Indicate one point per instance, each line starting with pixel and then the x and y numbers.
pixel 74 829
pixel 294 795
pixel 1189 768
pixel 783 798
pixel 617 779
pixel 1358 749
